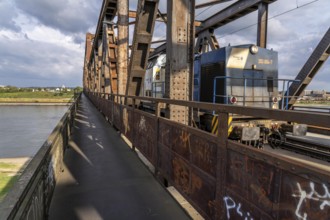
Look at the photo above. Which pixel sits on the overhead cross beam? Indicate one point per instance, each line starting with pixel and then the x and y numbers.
pixel 210 3
pixel 237 10
pixel 160 18
pixel 231 13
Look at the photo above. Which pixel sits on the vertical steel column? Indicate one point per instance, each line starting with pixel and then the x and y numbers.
pixel 143 31
pixel 99 66
pixel 179 56
pixel 122 7
pixel 95 63
pixel 88 49
pixel 262 25
pixel 110 59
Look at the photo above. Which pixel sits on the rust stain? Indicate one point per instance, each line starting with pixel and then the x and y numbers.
pixel 181 175
pixel 196 183
pixel 185 139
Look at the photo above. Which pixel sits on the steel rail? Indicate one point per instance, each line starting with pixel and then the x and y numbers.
pixel 313 149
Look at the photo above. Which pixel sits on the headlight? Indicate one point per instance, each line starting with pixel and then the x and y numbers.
pixel 254 49
pixel 233 100
pixel 275 99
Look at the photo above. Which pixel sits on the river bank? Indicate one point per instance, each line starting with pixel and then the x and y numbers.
pixel 21 101
pixel 10 170
pixel 35 103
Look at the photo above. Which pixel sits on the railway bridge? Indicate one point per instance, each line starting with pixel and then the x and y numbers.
pixel 110 157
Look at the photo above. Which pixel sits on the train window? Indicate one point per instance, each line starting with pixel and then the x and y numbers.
pixel 270 84
pixel 157 75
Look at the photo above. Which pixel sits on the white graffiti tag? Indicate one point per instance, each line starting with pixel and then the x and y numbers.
pixel 324 199
pixel 142 124
pixel 230 204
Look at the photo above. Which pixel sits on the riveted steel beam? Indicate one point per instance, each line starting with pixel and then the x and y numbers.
pixel 179 56
pixel 88 48
pixel 109 57
pixel 100 85
pixel 122 42
pixel 107 13
pixel 145 22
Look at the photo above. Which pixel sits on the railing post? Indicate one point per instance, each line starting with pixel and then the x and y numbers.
pixel 221 163
pixel 157 114
pixel 133 122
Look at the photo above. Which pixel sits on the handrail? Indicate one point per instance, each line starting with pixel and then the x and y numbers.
pixel 284 90
pixel 31 194
pixel 316 119
pixel 209 168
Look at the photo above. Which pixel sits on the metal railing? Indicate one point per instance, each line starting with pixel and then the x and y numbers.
pixel 313 109
pixel 222 179
pixel 284 97
pixel 31 195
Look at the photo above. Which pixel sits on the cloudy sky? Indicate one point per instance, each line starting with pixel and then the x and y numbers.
pixel 42 41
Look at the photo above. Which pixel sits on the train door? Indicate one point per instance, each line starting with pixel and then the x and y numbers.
pixel 207 90
pixel 255 89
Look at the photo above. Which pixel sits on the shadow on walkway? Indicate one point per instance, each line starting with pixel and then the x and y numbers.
pixel 104 179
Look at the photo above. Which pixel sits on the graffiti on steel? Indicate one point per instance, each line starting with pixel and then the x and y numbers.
pixel 203 154
pixel 232 206
pixel 142 124
pixel 36 204
pixel 251 179
pixel 311 194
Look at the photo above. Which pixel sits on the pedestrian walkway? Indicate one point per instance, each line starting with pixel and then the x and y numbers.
pixel 104 179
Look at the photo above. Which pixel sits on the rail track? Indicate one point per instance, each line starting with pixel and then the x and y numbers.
pixel 307 147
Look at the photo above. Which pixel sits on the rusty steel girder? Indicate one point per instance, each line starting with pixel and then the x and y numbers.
pixel 143 31
pixel 109 59
pixel 179 57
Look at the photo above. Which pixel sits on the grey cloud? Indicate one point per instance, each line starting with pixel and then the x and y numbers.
pixel 41 64
pixel 7 15
pixel 79 38
pixel 66 16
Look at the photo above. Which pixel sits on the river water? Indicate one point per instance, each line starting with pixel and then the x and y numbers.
pixel 23 129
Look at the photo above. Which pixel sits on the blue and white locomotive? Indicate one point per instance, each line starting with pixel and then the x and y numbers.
pixel 242 75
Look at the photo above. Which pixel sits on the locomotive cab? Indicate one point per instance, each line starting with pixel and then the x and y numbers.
pixel 242 75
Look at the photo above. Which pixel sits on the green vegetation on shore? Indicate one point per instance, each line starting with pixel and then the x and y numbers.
pixel 12 94
pixel 313 102
pixel 9 174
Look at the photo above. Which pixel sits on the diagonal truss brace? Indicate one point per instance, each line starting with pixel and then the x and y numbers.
pixel 309 70
pixel 109 70
pixel 145 22
pixel 206 40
